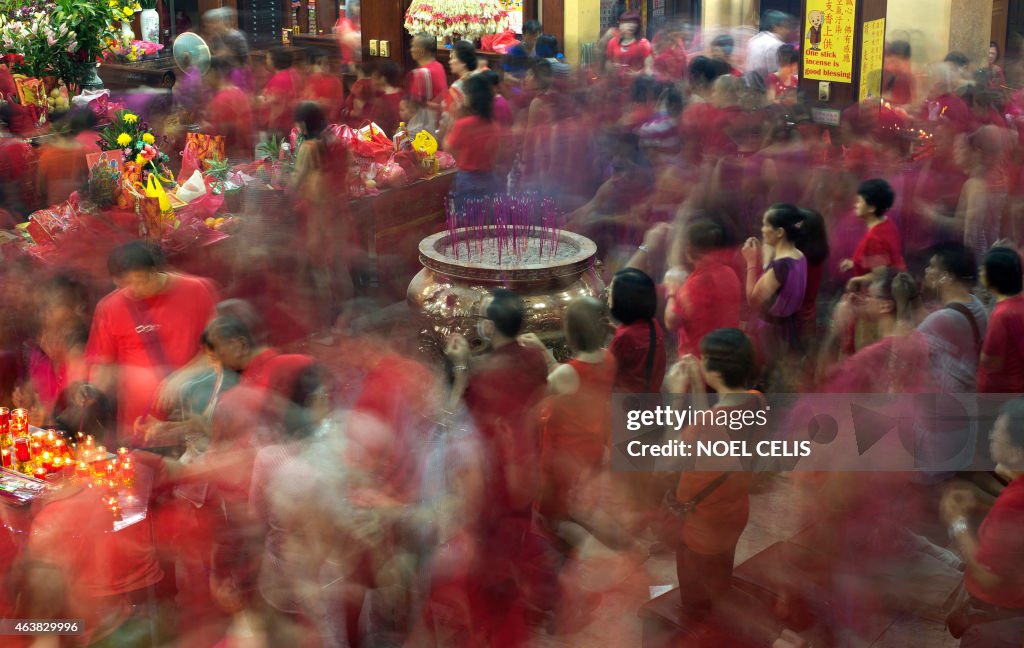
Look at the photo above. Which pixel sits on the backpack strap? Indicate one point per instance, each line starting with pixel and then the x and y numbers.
pixel 975 329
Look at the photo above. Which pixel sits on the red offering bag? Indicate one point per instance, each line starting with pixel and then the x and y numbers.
pixel 205 148
pixel 373 143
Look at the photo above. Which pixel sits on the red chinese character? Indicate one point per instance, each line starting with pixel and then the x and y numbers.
pixel 827 45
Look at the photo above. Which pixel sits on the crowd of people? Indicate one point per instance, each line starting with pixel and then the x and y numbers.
pixel 355 489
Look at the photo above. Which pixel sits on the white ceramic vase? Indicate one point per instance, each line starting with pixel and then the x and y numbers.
pixel 149 22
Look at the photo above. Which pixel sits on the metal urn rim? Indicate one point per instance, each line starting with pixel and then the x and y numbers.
pixel 433 257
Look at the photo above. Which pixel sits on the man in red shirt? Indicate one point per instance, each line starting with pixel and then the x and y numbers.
pixel 428 83
pixel 995 552
pixel 881 246
pixel 711 296
pixel 1001 368
pixel 145 330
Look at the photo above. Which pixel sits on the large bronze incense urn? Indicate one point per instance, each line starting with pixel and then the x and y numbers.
pixel 461 268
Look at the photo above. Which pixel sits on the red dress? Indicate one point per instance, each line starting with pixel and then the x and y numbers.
pixel 575 433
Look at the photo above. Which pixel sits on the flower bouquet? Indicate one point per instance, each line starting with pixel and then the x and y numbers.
pixel 142 157
pixel 470 19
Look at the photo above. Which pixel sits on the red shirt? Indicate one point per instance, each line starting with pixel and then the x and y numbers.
pixel 229 114
pixel 631 56
pixel 708 300
pixel 274 371
pixel 429 83
pixel 326 90
pixel 1003 372
pixel 670 64
pixel 281 93
pixel 1001 549
pixel 474 143
pixel 179 313
pixel 880 247
pixel 631 346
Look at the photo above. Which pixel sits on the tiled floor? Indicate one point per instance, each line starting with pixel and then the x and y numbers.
pixel 774 518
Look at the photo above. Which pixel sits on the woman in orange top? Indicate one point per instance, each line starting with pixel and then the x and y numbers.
pixel 718 501
pixel 575 418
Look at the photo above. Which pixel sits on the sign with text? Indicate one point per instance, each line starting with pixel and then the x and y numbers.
pixel 828 42
pixel 515 14
pixel 871 50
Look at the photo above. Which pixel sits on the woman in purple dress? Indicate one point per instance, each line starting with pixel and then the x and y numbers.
pixel 776 280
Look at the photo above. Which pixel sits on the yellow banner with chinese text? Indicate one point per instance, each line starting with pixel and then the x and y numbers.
pixel 871 49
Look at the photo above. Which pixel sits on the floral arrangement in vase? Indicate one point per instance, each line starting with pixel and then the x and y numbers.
pixel 135 139
pixel 469 19
pixel 133 51
pixel 59 38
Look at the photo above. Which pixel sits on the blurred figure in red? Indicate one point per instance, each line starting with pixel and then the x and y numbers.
pixel 324 87
pixel 387 81
pixel 670 61
pixel 629 53
pixel 229 113
pixel 62 159
pixel 281 92
pixel 575 418
pixel 321 168
pixel 898 82
pixel 1001 368
pixel 347 31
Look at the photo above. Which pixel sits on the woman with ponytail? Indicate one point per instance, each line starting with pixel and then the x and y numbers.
pixel 776 281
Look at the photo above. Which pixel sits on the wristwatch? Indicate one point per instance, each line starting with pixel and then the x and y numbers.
pixel 958 528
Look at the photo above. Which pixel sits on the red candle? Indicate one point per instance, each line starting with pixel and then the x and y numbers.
pixel 21 452
pixel 46 461
pixel 37 448
pixel 89 441
pixel 39 473
pixel 122 452
pixel 82 470
pixel 6 456
pixel 101 452
pixel 111 470
pixel 60 447
pixel 19 421
pixel 128 472
pixel 5 420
